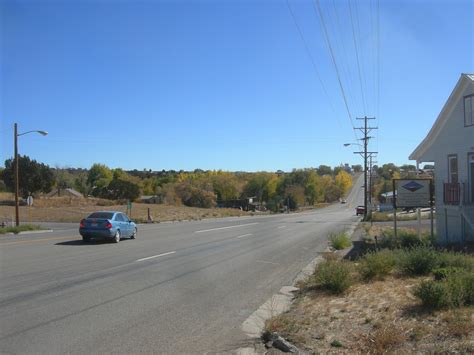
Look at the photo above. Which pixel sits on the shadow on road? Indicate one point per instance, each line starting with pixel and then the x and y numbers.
pixel 81 243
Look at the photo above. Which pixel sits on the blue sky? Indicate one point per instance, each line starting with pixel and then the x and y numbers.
pixel 224 84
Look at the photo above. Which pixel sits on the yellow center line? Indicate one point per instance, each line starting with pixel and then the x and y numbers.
pixel 34 241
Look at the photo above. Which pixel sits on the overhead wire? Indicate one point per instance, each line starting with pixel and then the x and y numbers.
pixel 346 68
pixel 317 9
pixel 310 56
pixel 357 57
pixel 360 41
pixel 377 110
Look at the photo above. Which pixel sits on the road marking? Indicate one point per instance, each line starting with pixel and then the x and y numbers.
pixel 34 241
pixel 245 235
pixel 266 262
pixel 156 256
pixel 281 227
pixel 216 229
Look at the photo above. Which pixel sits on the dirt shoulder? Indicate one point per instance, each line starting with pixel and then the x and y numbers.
pixel 374 317
pixel 379 315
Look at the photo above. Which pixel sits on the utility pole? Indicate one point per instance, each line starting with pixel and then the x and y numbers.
pixel 371 164
pixel 365 154
pixel 17 184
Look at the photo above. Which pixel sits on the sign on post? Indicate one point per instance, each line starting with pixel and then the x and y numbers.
pixel 412 193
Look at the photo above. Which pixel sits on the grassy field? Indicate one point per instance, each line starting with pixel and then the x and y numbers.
pixel 65 209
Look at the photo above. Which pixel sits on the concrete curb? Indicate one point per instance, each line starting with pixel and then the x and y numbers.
pixel 280 302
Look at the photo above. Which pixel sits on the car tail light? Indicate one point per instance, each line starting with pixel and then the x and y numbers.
pixel 108 225
pixel 83 223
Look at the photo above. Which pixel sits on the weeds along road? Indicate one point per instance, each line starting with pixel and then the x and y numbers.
pixel 178 288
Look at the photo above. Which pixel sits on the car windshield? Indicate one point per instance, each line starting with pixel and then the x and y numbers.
pixel 103 215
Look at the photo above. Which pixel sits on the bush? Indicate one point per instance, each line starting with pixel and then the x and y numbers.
pixel 20 228
pixel 442 273
pixel 432 294
pixel 333 276
pixel 406 238
pixel 340 241
pixel 455 290
pixel 377 265
pixel 456 260
pixel 419 261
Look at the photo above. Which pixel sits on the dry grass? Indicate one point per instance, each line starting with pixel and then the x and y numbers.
pixel 66 209
pixel 378 317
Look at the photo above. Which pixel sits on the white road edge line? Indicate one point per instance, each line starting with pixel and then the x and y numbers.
pixel 216 229
pixel 156 256
pixel 281 227
pixel 244 235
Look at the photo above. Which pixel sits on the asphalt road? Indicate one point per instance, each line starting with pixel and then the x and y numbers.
pixel 181 287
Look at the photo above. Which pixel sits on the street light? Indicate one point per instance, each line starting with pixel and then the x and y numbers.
pixel 17 185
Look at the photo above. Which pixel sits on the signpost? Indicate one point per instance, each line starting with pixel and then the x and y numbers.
pixel 129 208
pixel 412 193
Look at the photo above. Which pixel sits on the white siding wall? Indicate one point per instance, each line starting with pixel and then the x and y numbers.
pixel 454 139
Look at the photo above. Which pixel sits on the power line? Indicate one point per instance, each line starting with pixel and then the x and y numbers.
pixel 308 52
pixel 333 60
pixel 357 57
pixel 345 53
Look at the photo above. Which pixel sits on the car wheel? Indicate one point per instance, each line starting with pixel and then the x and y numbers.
pixel 86 239
pixel 117 236
pixel 134 235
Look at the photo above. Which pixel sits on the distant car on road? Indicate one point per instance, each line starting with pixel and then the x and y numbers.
pixel 109 225
pixel 360 210
pixel 343 201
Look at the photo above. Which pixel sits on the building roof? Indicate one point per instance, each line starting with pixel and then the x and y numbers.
pixel 419 153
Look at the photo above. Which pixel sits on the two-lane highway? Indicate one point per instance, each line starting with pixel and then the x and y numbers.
pixel 178 288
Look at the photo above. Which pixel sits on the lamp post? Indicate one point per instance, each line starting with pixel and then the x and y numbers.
pixel 17 184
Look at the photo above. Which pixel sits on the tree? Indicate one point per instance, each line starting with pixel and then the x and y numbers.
pixel 33 176
pixel 294 194
pixel 261 185
pixel 226 186
pixel 194 196
pixel 80 183
pixel 343 180
pixel 357 168
pixel 98 178
pixel 63 178
pixel 324 170
pixel 120 189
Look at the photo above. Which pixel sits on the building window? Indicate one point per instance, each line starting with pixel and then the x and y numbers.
pixel 453 168
pixel 468 108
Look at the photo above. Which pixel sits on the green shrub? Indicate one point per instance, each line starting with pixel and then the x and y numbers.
pixel 442 273
pixel 340 241
pixel 377 265
pixel 20 228
pixel 456 260
pixel 432 294
pixel 455 290
pixel 410 239
pixel 419 261
pixel 405 238
pixel 333 276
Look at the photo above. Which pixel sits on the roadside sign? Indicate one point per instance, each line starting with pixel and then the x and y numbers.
pixel 412 193
pixel 29 200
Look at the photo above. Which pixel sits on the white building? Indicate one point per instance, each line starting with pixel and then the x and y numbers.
pixel 450 145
